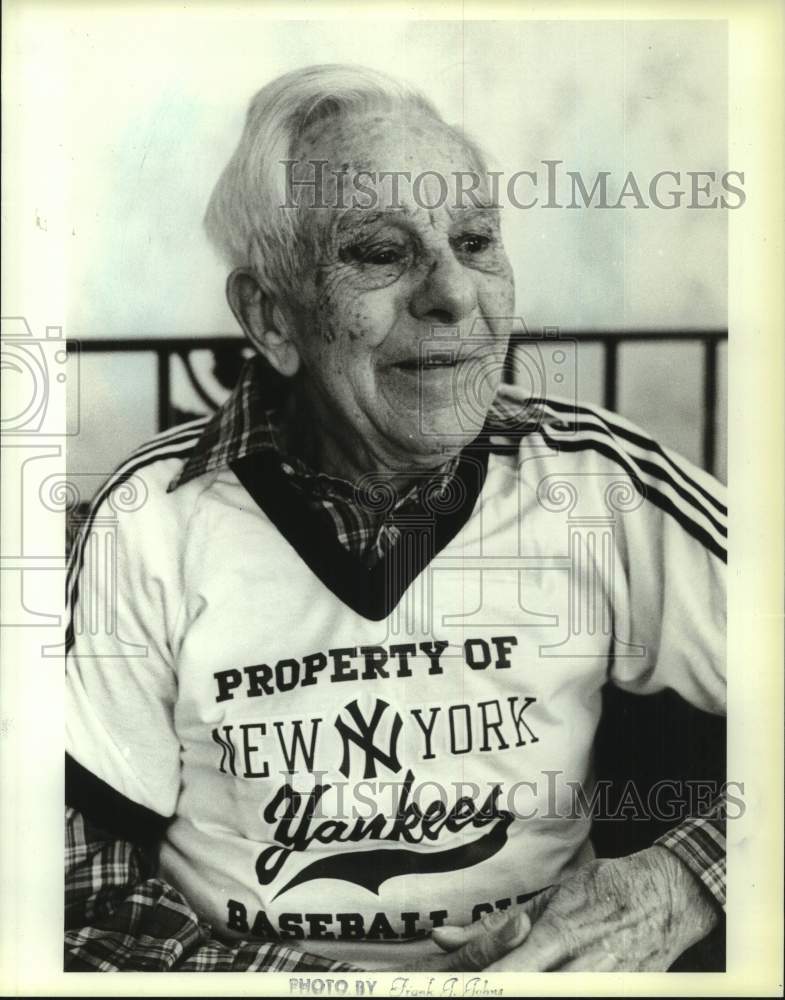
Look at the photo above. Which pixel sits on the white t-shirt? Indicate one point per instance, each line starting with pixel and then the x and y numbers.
pixel 353 757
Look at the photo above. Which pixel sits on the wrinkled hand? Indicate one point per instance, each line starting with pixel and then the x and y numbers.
pixel 475 951
pixel 631 914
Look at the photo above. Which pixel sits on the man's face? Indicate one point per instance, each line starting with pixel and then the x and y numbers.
pixel 403 322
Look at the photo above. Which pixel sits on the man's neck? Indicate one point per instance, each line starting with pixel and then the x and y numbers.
pixel 312 439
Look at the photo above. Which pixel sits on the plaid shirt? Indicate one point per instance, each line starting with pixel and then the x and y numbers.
pixel 119 915
pixel 700 843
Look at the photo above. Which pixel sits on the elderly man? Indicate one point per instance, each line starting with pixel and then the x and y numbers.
pixel 356 636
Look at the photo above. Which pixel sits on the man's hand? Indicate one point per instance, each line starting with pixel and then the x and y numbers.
pixel 631 914
pixel 481 945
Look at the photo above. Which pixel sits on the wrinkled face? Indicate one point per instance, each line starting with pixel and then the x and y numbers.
pixel 404 311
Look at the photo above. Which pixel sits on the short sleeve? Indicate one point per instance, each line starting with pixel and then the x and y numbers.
pixel 120 680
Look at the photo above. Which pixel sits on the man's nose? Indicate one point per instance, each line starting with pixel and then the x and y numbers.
pixel 446 294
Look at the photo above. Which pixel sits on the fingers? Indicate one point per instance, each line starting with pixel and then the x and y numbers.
pixel 591 962
pixel 536 906
pixel 450 937
pixel 545 948
pixel 484 949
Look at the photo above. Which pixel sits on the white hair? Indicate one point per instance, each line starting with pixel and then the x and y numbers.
pixel 245 219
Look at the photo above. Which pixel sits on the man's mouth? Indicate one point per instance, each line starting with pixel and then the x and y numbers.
pixel 433 361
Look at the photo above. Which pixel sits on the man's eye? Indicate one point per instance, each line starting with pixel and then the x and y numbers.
pixel 471 243
pixel 384 256
pixel 378 256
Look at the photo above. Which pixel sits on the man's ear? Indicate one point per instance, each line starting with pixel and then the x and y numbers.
pixel 262 320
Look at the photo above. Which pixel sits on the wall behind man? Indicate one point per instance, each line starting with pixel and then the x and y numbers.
pixel 150 102
pixel 156 109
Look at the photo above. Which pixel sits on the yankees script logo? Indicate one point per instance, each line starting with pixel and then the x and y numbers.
pixel 370 869
pixel 297 830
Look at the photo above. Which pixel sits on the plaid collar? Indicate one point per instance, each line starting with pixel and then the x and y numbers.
pixel 246 424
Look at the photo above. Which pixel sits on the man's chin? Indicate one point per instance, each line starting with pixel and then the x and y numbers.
pixel 433 442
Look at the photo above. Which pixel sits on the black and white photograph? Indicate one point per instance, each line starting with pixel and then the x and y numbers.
pixel 379 385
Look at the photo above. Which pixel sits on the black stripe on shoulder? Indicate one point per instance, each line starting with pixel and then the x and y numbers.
pixel 642 442
pixel 77 559
pixel 657 472
pixel 107 809
pixel 180 432
pixel 157 449
pixel 510 427
pixel 658 499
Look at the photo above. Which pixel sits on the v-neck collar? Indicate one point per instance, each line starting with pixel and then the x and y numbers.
pixel 426 529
